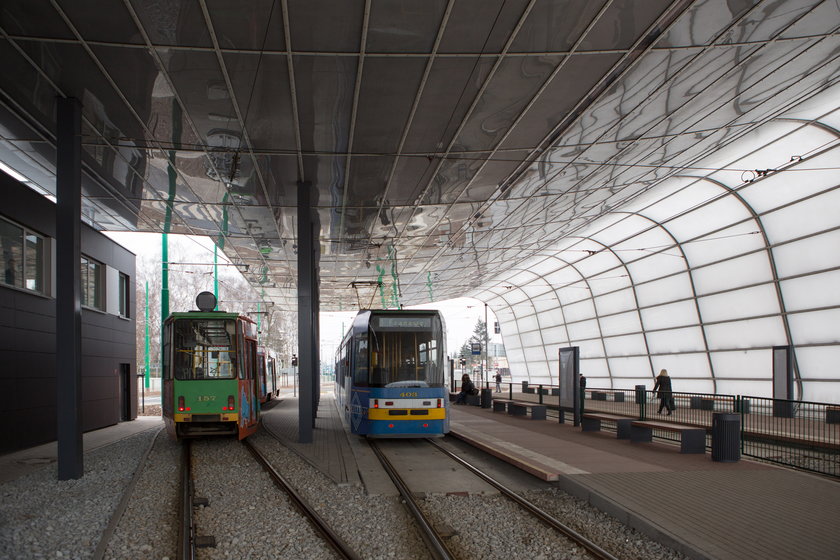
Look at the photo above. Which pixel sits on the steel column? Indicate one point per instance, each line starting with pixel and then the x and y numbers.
pixel 309 251
pixel 68 368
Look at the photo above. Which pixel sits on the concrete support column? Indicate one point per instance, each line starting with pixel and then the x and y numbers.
pixel 309 254
pixel 68 301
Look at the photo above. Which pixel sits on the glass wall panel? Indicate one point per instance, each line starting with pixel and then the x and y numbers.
pixel 698 191
pixel 620 324
pixel 747 302
pixel 753 388
pixel 633 366
pixel 808 292
pixel 818 362
pixel 615 302
pixel 574 293
pixel 768 331
pixel 804 218
pixel 682 366
pixel 599 262
pixel 737 240
pixel 592 348
pixel 656 266
pixel 538 290
pixel 594 368
pixel 562 277
pixel 609 282
pixel 555 335
pixel 623 227
pixel 527 323
pixel 750 364
pixel 664 290
pixel 583 330
pixel 741 271
pixel 538 369
pixel 673 315
pixel 814 327
pixel 631 344
pixel 689 339
pixel 778 190
pixel 798 257
pixel 715 215
pixel 578 311
pixel 821 391
pixel 532 338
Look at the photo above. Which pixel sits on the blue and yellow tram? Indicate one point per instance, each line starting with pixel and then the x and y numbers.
pixel 390 374
pixel 210 373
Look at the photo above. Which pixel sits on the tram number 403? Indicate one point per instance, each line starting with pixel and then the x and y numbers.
pixel 206 398
pixel 408 394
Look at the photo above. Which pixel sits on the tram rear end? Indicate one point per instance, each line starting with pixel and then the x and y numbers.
pixel 210 374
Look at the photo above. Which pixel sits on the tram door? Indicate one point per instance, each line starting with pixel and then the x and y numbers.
pixel 249 400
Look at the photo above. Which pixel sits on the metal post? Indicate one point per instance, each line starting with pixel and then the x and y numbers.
pixel 68 354
pixel 486 371
pixel 308 347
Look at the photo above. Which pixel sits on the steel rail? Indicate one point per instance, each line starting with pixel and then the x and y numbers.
pixel 317 522
pixel 433 539
pixel 186 530
pixel 540 514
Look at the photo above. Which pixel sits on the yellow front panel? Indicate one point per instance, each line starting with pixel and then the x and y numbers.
pixel 187 417
pixel 383 414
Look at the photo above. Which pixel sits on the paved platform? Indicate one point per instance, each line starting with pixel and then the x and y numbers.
pixel 705 509
pixel 15 465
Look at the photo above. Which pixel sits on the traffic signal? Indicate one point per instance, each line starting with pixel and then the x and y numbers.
pixel 294 360
pixel 463 361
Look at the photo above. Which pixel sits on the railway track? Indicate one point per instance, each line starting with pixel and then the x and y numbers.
pixel 540 514
pixel 318 523
pixel 436 543
pixel 189 541
pixel 432 537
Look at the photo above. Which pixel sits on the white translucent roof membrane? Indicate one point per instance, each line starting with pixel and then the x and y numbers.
pixel 702 274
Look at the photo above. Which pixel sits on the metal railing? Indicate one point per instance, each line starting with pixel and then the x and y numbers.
pixel 797 434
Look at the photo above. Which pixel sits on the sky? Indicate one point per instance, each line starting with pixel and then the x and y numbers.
pixel 460 315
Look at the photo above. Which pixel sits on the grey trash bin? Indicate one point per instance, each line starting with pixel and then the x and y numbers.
pixel 726 437
pixel 486 398
pixel 640 394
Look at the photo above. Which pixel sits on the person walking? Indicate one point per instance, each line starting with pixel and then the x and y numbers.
pixel 663 385
pixel 498 382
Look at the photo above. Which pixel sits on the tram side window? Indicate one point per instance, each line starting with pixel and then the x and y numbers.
pixel 360 362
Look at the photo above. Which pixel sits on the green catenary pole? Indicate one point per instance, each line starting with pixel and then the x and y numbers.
pixel 146 380
pixel 172 175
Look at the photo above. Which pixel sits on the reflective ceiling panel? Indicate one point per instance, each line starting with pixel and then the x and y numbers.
pixel 445 142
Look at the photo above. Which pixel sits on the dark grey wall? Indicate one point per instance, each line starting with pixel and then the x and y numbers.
pixel 27 338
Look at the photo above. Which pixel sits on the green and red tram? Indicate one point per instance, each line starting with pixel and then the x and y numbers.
pixel 210 373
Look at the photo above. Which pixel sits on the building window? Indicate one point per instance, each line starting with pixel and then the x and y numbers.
pixel 91 281
pixel 23 259
pixel 123 282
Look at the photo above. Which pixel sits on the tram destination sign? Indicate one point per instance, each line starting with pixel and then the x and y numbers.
pixel 404 323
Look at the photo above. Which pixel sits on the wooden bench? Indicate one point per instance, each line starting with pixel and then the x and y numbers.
pixel 591 422
pixel 692 440
pixel 520 408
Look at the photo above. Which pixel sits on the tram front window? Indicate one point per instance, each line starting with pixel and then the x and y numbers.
pixel 205 349
pixel 406 357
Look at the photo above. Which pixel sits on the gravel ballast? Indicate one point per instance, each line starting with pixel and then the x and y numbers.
pixel 41 517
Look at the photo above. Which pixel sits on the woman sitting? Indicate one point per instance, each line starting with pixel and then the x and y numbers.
pixel 467 388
